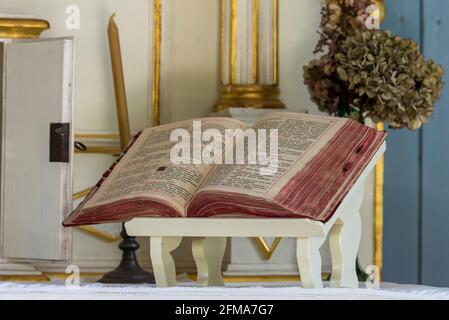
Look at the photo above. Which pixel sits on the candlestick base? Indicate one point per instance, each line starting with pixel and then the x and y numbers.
pixel 129 270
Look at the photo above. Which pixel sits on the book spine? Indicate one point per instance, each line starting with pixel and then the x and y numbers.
pixel 120 157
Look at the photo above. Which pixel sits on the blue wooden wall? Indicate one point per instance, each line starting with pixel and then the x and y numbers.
pixel 416 225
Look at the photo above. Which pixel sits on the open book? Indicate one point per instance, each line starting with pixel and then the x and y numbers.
pixel 318 161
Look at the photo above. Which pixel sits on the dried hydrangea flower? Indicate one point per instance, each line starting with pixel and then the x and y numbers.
pixel 369 73
pixel 385 77
pixel 339 19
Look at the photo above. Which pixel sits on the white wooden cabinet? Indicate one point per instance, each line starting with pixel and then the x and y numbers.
pixel 36 82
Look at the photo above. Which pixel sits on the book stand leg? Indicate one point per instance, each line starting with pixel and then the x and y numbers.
pixel 162 261
pixel 208 254
pixel 344 243
pixel 309 261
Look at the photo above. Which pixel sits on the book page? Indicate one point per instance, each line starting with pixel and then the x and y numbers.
pixel 148 171
pixel 300 138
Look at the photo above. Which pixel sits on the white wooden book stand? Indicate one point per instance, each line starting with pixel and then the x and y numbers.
pixel 210 234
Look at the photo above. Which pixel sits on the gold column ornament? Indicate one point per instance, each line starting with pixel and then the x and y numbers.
pixel 100 150
pixel 379 208
pixel 81 194
pixel 105 236
pixel 266 250
pixel 119 83
pixel 157 42
pixel 381 5
pixel 379 185
pixel 249 55
pixel 22 28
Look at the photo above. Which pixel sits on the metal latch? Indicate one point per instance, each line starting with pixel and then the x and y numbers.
pixel 59 142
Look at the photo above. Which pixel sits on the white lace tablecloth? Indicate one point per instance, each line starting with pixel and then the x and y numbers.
pixel 234 291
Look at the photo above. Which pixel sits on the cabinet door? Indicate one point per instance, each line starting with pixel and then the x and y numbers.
pixel 36 192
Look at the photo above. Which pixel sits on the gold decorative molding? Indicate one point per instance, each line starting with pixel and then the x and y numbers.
pixel 108 237
pixel 378 208
pixel 249 96
pixel 83 275
pixel 100 150
pixel 233 45
pixel 157 48
pixel 22 28
pixel 81 194
pixel 261 278
pixel 256 20
pixel 379 176
pixel 276 42
pixel 49 276
pixel 98 136
pixel 381 5
pixel 266 250
pixel 24 278
pixel 222 40
pixel 110 139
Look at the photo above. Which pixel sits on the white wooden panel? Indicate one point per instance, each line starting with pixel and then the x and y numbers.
pixel 36 193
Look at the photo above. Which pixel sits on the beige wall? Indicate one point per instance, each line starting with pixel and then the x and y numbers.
pixel 190 58
pixel 298 25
